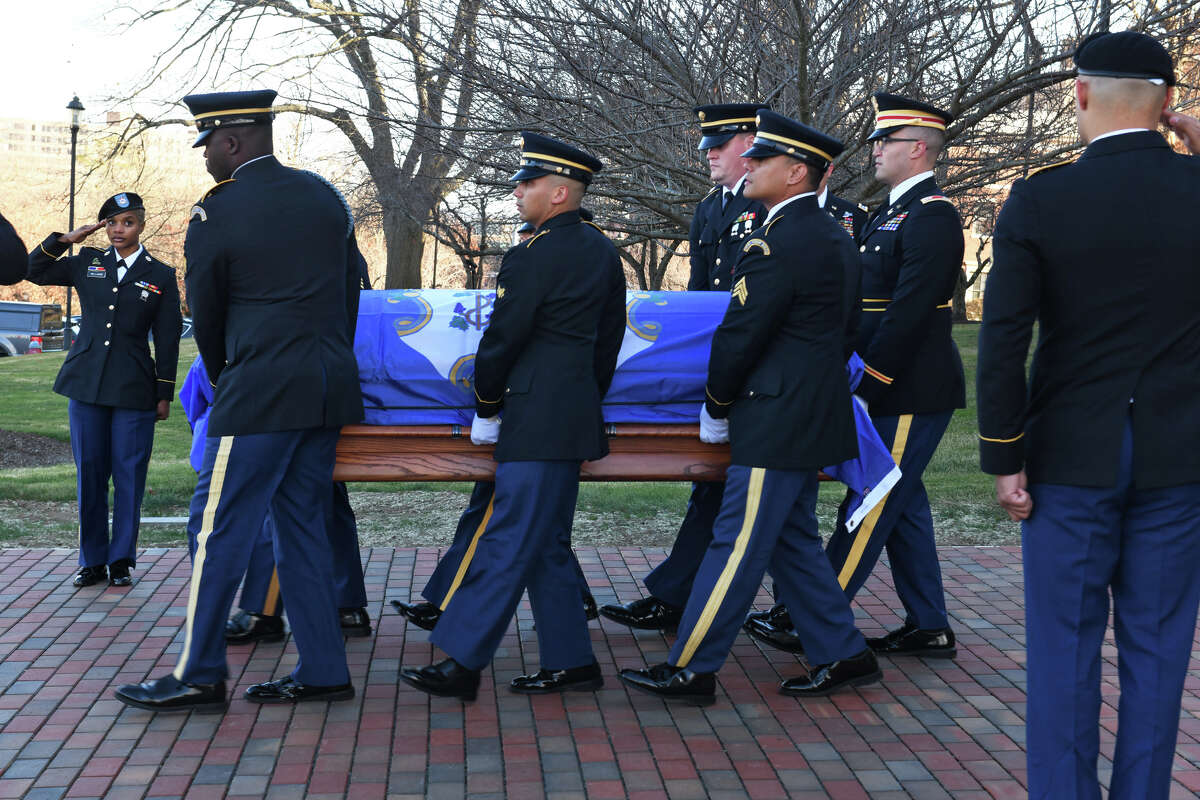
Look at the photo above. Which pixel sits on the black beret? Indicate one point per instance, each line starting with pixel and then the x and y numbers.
pixel 1127 54
pixel 119 204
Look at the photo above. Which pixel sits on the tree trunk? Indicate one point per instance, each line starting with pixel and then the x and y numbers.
pixel 405 246
pixel 958 304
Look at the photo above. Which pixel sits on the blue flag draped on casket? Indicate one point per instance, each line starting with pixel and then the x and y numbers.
pixel 416 354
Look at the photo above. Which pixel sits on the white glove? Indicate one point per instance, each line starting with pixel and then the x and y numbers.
pixel 485 431
pixel 713 431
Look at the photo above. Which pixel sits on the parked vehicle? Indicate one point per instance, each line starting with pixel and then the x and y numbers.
pixel 19 321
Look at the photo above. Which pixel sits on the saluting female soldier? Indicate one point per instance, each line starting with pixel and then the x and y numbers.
pixel 117 390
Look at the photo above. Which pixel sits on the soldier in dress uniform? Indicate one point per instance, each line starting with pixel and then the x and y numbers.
pixel 117 390
pixel 273 277
pixel 723 220
pixel 1096 452
pixel 13 261
pixel 777 392
pixel 911 255
pixel 546 359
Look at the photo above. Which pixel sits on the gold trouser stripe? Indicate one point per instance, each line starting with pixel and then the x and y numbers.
pixel 466 562
pixel 215 484
pixel 868 526
pixel 271 604
pixel 717 596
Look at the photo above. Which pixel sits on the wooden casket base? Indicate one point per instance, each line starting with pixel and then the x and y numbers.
pixel 637 452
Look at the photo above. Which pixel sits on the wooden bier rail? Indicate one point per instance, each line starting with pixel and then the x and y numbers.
pixel 637 452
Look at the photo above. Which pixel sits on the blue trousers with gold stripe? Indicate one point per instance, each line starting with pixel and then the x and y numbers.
pixel 260 589
pixel 768 518
pixel 109 442
pixel 453 565
pixel 525 543
pixel 286 474
pixel 1080 544
pixel 671 581
pixel 902 523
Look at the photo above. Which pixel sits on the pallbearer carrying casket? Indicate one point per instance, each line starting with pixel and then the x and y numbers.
pixel 542 367
pixel 777 391
pixel 723 220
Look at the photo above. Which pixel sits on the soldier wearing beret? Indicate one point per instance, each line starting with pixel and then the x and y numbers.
pixel 117 390
pixel 273 281
pixel 545 361
pixel 911 255
pixel 723 220
pixel 777 392
pixel 1096 451
pixel 13 260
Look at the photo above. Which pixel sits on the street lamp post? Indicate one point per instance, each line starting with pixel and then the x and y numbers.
pixel 75 107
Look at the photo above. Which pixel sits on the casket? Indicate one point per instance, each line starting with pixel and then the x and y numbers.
pixel 416 349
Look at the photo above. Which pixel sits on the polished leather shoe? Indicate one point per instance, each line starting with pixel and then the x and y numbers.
pixel 88 576
pixel 765 631
pixel 245 628
pixel 858 670
pixel 118 575
pixel 589 607
pixel 547 681
pixel 423 615
pixel 444 679
pixel 646 614
pixel 355 621
pixel 290 690
pixel 777 615
pixel 169 694
pixel 910 640
pixel 673 683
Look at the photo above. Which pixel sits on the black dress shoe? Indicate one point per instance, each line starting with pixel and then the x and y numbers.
pixel 673 683
pixel 88 576
pixel 858 670
pixel 777 615
pixel 167 694
pixel 548 681
pixel 290 690
pixel 355 621
pixel 423 615
pixel 910 640
pixel 765 631
pixel 646 614
pixel 445 679
pixel 118 575
pixel 589 607
pixel 245 628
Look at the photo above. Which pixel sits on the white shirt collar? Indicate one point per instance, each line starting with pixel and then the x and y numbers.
pixel 824 198
pixel 132 257
pixel 903 186
pixel 251 161
pixel 775 209
pixel 1117 133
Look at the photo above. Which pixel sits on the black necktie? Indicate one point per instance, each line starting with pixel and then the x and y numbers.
pixel 725 195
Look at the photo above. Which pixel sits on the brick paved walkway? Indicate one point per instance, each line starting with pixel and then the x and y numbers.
pixel 930 730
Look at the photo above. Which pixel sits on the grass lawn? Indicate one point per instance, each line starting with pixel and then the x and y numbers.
pixel 37 505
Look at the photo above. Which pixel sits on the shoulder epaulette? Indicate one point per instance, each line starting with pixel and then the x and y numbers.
pixel 1050 166
pixel 767 229
pixel 340 197
pixel 215 188
pixel 594 225
pixel 535 237
pixel 935 197
pixel 710 192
